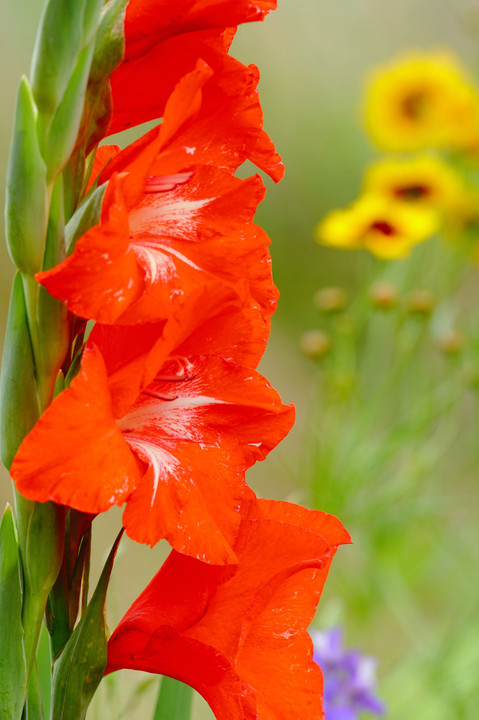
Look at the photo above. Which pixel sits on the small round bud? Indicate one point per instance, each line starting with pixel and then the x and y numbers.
pixel 451 342
pixel 315 343
pixel 331 299
pixel 420 302
pixel 383 295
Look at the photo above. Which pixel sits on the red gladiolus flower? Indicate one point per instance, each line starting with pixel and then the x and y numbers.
pixel 239 635
pixel 163 44
pixel 176 456
pixel 166 228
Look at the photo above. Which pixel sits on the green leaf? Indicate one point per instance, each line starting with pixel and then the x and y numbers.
pixel 13 669
pixel 87 215
pixel 64 599
pixel 63 132
pixel 80 667
pixel 18 392
pixel 26 203
pixel 44 664
pixel 109 51
pixel 40 526
pixel 66 27
pixel 52 315
pixel 109 43
pixel 174 700
pixel 91 13
pixel 34 705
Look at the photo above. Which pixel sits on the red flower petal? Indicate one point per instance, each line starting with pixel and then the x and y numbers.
pixel 75 454
pixel 246 630
pixel 136 267
pixel 167 652
pixel 213 320
pixel 286 683
pixel 149 22
pixel 230 109
pixel 206 413
pixel 102 277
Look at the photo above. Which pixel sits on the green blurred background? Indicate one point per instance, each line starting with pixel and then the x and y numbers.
pixel 407 590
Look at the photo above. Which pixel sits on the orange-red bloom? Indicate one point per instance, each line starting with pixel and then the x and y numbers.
pixel 174 449
pixel 173 220
pixel 163 44
pixel 239 635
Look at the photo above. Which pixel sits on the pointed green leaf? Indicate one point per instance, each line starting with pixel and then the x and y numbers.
pixel 81 666
pixel 66 27
pixel 34 705
pixel 64 599
pixel 91 13
pixel 63 131
pixel 26 203
pixel 18 392
pixel 40 525
pixel 87 215
pixel 13 669
pixel 109 43
pixel 174 700
pixel 44 663
pixel 52 314
pixel 109 51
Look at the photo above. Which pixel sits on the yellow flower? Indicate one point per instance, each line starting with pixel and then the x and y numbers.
pixel 422 100
pixel 387 228
pixel 421 181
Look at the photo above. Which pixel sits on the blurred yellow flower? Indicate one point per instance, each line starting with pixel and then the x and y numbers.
pixel 387 228
pixel 423 180
pixel 422 100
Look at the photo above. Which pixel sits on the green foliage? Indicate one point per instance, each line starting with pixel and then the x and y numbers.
pixel 81 665
pixel 391 450
pixel 87 215
pixel 66 28
pixel 174 700
pixel 26 206
pixel 13 669
pixel 109 49
pixel 63 130
pixel 18 393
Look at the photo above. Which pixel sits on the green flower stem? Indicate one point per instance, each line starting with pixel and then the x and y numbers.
pixel 34 706
pixel 31 291
pixel 40 525
pixel 64 110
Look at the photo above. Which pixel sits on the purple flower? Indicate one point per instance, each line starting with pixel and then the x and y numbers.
pixel 349 678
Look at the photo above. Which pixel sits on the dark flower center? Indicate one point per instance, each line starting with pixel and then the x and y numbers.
pixel 383 227
pixel 412 192
pixel 413 105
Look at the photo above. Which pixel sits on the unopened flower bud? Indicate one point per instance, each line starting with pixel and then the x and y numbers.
pixel 384 295
pixel 331 299
pixel 451 342
pixel 315 343
pixel 420 302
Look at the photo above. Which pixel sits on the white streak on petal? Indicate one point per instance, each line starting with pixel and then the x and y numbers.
pixel 161 461
pixel 177 418
pixel 169 211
